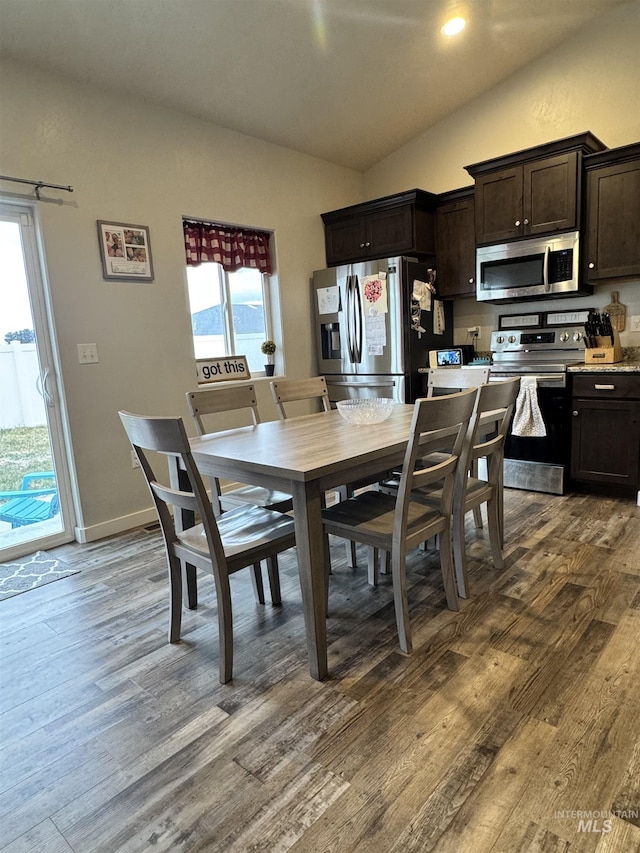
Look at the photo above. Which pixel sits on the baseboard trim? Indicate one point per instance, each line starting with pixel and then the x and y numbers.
pixel 115 525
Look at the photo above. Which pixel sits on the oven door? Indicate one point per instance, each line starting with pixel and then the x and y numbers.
pixel 541 464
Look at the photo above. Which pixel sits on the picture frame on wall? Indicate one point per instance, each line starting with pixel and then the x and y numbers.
pixel 125 251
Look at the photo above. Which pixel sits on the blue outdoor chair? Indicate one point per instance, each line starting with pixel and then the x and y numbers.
pixel 29 505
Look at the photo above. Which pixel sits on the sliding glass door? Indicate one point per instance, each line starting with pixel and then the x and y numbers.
pixel 35 509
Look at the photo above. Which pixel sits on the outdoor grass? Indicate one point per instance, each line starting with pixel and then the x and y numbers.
pixel 23 450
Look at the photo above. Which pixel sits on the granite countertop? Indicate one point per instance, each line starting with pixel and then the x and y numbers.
pixel 629 364
pixel 626 366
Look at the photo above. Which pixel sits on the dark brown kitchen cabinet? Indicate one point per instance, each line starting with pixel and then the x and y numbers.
pixel 531 192
pixel 612 248
pixel 401 224
pixel 605 438
pixel 456 243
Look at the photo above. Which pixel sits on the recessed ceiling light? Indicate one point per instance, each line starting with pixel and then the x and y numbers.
pixel 454 26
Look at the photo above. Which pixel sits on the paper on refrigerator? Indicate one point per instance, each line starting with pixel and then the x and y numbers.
pixel 328 300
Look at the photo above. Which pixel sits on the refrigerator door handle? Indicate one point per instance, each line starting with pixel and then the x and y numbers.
pixel 349 310
pixel 357 320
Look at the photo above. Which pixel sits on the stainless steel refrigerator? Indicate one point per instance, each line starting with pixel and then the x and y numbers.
pixel 374 324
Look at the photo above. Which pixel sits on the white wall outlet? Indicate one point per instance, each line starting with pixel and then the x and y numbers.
pixel 474 330
pixel 88 353
pixel 135 462
pixel 635 323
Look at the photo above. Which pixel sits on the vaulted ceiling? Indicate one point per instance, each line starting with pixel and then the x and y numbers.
pixel 348 81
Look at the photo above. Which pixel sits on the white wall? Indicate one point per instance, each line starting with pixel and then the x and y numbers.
pixel 130 162
pixel 591 82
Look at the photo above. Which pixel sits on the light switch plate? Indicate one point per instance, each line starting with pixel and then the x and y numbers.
pixel 635 323
pixel 88 353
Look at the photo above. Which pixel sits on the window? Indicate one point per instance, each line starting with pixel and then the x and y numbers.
pixel 227 269
pixel 229 312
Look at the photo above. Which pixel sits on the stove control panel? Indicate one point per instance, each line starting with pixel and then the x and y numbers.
pixel 527 340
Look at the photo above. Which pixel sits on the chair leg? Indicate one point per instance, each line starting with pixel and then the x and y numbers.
pixel 274 579
pixel 351 553
pixel 372 565
pixel 225 627
pixel 175 599
pixel 256 579
pixel 384 563
pixel 477 514
pixel 398 571
pixel 446 566
pixel 459 551
pixel 493 510
pixel 190 586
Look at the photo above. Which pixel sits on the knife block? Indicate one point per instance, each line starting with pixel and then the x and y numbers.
pixel 604 353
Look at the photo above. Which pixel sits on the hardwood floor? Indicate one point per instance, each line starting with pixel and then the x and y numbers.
pixel 514 726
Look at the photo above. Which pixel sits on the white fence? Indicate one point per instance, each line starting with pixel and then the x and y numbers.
pixel 21 403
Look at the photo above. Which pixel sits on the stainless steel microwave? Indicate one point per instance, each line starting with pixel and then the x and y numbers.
pixel 535 268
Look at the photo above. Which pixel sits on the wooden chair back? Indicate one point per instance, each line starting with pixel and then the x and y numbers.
pixel 437 422
pixel 217 401
pixel 456 378
pixel 498 397
pixel 168 435
pixel 293 390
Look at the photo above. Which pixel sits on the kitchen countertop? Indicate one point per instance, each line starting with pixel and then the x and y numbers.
pixel 626 366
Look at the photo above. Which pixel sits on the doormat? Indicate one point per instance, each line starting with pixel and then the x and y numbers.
pixel 31 572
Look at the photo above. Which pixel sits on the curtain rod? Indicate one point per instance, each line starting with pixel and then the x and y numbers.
pixel 37 184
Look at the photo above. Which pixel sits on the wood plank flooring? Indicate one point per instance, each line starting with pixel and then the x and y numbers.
pixel 513 727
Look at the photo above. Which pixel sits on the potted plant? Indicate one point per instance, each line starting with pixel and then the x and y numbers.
pixel 268 348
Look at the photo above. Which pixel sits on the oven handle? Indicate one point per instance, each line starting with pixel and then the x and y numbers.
pixel 558 379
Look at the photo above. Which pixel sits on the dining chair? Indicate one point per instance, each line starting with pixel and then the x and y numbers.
pixel 495 405
pixel 207 406
pixel 287 391
pixel 446 380
pixel 237 539
pixel 450 379
pixel 295 390
pixel 398 523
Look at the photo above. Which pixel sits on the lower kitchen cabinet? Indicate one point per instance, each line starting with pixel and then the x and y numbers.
pixel 605 436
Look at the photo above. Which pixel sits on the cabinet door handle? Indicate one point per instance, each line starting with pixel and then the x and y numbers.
pixel 471 281
pixel 517 223
pixel 605 387
pixel 362 245
pixel 575 414
pixel 592 265
pixel 526 222
pixel 367 245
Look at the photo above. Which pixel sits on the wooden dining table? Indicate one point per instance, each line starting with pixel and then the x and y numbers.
pixel 304 457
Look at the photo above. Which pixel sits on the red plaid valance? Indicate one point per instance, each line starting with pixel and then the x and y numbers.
pixel 232 248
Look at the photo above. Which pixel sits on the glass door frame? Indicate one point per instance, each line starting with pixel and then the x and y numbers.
pixel 26 216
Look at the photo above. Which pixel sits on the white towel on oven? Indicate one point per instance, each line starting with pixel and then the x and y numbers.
pixel 527 420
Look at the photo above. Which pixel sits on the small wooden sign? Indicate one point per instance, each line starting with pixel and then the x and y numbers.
pixel 222 369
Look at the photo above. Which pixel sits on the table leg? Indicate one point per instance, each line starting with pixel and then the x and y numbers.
pixel 307 515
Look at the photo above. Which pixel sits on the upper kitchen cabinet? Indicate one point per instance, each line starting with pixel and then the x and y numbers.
pixel 531 192
pixel 456 243
pixel 612 229
pixel 401 224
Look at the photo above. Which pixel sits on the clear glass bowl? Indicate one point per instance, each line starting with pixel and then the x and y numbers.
pixel 365 411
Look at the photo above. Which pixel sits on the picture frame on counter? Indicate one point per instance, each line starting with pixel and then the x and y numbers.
pixel 520 321
pixel 125 251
